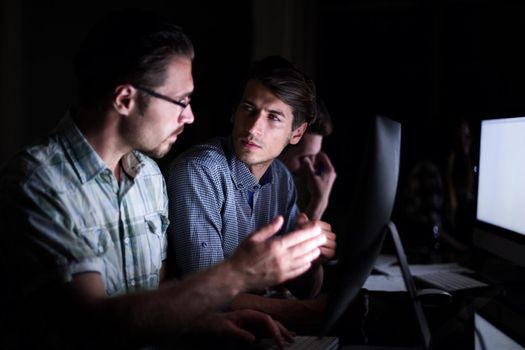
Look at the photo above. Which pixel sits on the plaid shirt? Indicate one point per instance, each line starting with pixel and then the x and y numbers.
pixel 215 202
pixel 65 214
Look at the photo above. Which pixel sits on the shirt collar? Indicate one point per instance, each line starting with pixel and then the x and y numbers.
pixel 132 163
pixel 86 161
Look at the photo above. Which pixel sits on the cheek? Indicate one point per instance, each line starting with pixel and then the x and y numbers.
pixel 238 122
pixel 277 143
pixel 171 123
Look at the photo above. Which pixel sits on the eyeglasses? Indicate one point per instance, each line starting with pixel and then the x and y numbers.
pixel 163 97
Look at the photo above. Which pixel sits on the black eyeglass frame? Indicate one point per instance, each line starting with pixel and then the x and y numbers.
pixel 162 97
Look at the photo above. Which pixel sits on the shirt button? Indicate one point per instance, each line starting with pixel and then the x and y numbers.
pixel 126 241
pixel 132 282
pixel 204 244
pixel 106 177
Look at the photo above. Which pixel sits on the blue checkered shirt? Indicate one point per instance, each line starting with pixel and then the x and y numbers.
pixel 210 209
pixel 66 214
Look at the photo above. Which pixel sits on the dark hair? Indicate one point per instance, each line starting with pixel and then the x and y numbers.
pixel 322 125
pixel 127 46
pixel 289 84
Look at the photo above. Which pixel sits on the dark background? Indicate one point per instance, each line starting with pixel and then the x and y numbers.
pixel 423 63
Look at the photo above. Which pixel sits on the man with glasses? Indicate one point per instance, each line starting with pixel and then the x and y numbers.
pixel 85 212
pixel 222 190
pixel 183 104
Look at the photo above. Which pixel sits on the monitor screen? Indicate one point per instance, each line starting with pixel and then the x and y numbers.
pixel 500 208
pixel 369 213
pixel 501 186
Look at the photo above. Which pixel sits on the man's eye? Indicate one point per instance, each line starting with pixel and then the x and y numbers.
pixel 247 108
pixel 274 117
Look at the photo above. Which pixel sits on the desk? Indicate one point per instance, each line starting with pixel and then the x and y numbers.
pixel 493 317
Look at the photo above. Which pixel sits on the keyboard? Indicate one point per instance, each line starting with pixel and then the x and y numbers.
pixel 302 343
pixel 450 281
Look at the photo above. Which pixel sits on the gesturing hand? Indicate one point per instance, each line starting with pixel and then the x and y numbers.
pixel 328 248
pixel 264 260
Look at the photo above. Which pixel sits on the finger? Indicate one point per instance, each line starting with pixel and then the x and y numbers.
pixel 323 158
pixel 275 331
pixel 306 258
pixel 308 165
pixel 306 246
pixel 331 238
pixel 274 328
pixel 269 230
pixel 302 219
pixel 238 332
pixel 293 273
pixel 327 252
pixel 325 226
pixel 329 244
pixel 310 246
pixel 301 235
pixel 285 333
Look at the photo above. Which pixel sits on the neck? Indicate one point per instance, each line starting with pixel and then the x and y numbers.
pixel 101 131
pixel 258 170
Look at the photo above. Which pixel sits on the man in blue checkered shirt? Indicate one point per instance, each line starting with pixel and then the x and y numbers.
pixel 223 190
pixel 84 212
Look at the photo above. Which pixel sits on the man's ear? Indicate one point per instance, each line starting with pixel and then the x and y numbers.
pixel 124 98
pixel 298 133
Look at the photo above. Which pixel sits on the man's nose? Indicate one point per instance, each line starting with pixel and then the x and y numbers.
pixel 257 124
pixel 187 115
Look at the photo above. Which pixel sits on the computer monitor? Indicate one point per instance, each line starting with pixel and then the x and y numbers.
pixel 369 214
pixel 500 206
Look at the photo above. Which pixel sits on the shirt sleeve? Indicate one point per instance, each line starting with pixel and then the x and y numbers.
pixel 40 242
pixel 195 202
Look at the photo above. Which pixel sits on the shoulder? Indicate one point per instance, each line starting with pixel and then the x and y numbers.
pixel 209 155
pixel 281 172
pixel 38 173
pixel 279 167
pixel 40 162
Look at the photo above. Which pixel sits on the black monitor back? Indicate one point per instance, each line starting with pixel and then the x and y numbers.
pixel 369 213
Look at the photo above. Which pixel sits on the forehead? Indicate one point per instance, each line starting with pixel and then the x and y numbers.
pixel 255 92
pixel 179 79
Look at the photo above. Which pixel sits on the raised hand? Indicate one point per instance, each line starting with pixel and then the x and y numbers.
pixel 328 248
pixel 264 260
pixel 320 175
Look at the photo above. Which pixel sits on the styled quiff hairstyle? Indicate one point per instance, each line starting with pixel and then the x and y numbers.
pixel 289 84
pixel 127 47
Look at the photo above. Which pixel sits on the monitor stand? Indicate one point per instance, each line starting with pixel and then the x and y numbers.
pixel 417 298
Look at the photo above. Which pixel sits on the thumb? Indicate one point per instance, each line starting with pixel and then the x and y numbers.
pixel 302 218
pixel 308 165
pixel 269 230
